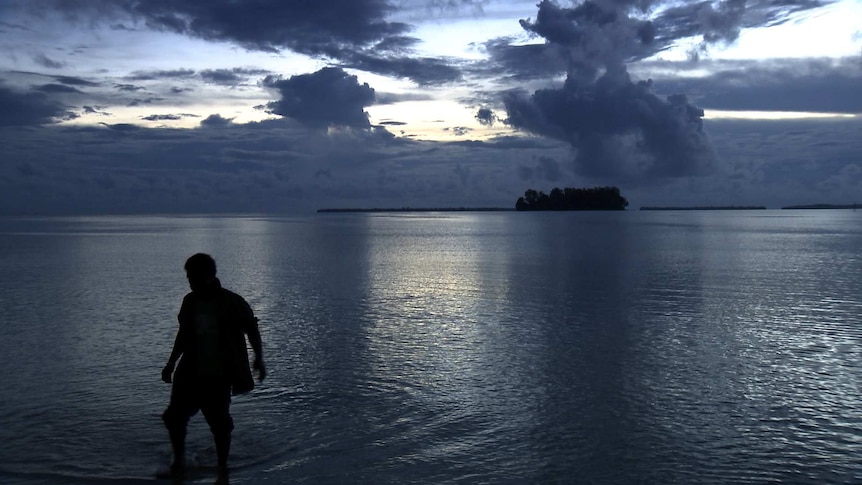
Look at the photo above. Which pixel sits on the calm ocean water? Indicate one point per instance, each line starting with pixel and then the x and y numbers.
pixel 588 348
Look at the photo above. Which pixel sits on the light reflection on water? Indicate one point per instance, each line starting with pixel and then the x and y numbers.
pixel 630 347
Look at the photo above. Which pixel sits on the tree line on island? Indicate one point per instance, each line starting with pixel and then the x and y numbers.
pixel 572 199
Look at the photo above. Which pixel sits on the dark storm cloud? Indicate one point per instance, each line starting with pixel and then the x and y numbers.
pixel 595 33
pixel 355 33
pixel 328 97
pixel 308 27
pixel 813 85
pixel 619 128
pixel 29 108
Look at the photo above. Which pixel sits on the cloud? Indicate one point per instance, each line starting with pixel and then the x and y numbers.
pixel 619 128
pixel 592 34
pixel 56 88
pixel 230 77
pixel 29 108
pixel 721 22
pixel 75 81
pixel 271 166
pixel 45 61
pixel 810 85
pixel 99 110
pixel 144 101
pixel 161 74
pixel 271 25
pixel 168 117
pixel 486 116
pixel 130 88
pixel 520 62
pixel 354 33
pixel 314 28
pixel 789 162
pixel 424 71
pixel 274 166
pixel 216 121
pixel 392 98
pixel 328 97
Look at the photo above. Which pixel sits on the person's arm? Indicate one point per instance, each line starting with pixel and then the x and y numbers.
pixel 248 323
pixel 178 348
pixel 176 352
pixel 257 345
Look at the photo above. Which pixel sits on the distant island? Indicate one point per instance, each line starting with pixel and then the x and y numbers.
pixel 824 206
pixel 418 209
pixel 706 208
pixel 572 199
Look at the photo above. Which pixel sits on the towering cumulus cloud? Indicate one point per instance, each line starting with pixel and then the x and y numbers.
pixel 616 126
pixel 328 97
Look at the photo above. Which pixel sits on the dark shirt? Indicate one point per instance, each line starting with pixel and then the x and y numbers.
pixel 212 336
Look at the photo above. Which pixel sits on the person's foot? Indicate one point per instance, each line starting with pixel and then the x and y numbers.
pixel 223 473
pixel 178 468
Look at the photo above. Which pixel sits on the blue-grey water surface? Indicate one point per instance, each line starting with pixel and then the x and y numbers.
pixel 584 348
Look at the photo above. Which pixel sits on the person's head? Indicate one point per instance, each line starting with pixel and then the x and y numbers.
pixel 200 271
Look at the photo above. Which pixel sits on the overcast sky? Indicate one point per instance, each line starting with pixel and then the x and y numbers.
pixel 153 106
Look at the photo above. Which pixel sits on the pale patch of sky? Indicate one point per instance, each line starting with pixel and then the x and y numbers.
pixel 832 31
pixel 771 115
pixel 439 120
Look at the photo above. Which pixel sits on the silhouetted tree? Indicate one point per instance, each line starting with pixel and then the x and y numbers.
pixel 594 198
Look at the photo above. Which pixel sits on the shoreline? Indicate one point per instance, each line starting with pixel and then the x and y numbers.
pixel 417 209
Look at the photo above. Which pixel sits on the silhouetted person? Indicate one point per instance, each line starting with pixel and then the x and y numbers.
pixel 214 323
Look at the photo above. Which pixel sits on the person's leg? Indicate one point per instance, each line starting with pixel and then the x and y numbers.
pixel 176 418
pixel 216 410
pixel 222 442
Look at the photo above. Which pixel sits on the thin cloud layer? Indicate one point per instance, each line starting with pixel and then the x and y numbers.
pixel 802 85
pixel 278 166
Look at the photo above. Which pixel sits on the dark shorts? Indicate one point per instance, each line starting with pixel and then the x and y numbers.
pixel 211 399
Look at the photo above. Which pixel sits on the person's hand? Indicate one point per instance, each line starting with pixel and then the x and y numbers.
pixel 168 372
pixel 260 368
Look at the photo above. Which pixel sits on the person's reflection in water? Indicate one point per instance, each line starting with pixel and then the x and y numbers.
pixel 211 340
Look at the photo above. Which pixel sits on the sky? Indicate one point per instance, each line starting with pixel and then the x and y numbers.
pixel 273 106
